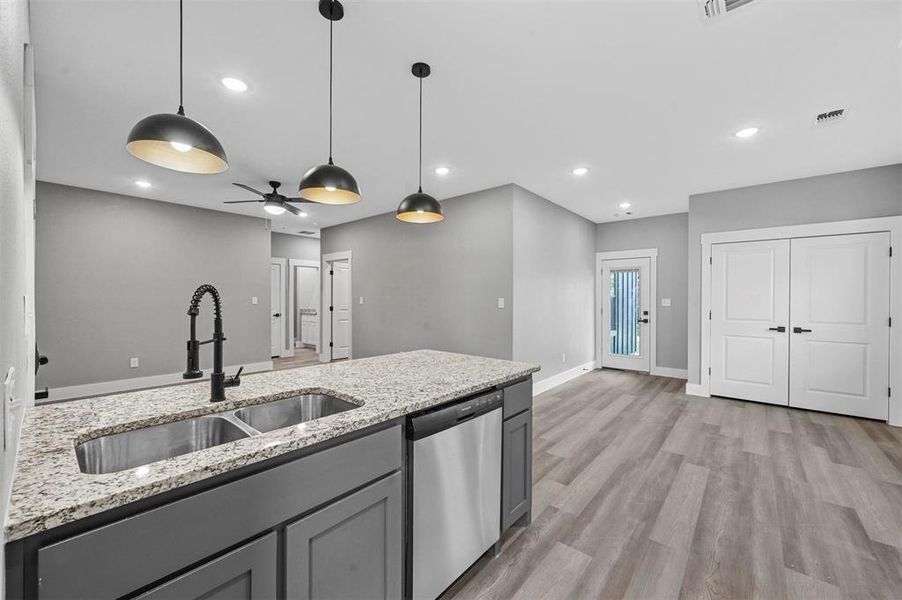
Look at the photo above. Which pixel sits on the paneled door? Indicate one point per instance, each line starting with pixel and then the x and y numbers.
pixel 749 321
pixel 277 300
pixel 840 324
pixel 625 315
pixel 341 309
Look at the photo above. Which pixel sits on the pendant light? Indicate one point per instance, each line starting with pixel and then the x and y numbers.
pixel 329 183
pixel 175 141
pixel 420 207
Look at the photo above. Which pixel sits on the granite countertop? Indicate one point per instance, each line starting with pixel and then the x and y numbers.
pixel 50 490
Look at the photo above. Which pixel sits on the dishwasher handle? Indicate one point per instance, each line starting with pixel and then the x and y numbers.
pixel 438 419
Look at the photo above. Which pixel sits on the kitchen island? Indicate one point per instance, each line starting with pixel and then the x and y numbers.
pixel 240 508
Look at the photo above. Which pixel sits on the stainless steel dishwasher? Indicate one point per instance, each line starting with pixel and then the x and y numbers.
pixel 455 490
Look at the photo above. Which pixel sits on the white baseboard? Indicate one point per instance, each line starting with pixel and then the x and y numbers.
pixel 696 389
pixel 668 372
pixel 139 383
pixel 544 385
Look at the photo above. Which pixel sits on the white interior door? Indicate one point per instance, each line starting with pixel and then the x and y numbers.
pixel 277 300
pixel 625 315
pixel 749 321
pixel 840 323
pixel 341 309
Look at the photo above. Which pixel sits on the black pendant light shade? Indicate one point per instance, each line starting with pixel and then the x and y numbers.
pixel 329 183
pixel 175 141
pixel 420 207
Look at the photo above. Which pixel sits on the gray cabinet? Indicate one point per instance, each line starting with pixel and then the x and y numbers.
pixel 248 573
pixel 516 453
pixel 350 549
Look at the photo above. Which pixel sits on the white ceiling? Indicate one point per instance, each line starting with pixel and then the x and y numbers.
pixel 644 93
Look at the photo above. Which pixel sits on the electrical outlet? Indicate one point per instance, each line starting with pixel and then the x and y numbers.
pixel 134 362
pixel 500 302
pixel 563 357
pixel 665 301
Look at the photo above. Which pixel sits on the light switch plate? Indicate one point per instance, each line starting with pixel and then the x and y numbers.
pixel 500 302
pixel 133 363
pixel 665 301
pixel 253 299
pixel 361 299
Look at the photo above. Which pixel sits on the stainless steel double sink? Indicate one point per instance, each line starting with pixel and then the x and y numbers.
pixel 130 449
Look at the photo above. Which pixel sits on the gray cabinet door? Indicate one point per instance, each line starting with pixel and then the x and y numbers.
pixel 516 468
pixel 248 573
pixel 350 549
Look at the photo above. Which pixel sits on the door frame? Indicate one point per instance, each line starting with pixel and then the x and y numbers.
pixel 893 225
pixel 293 264
pixel 326 298
pixel 652 255
pixel 286 350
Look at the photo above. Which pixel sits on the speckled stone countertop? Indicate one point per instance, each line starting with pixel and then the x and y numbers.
pixel 50 490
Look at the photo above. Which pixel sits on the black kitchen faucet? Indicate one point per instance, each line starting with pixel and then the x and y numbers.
pixel 218 381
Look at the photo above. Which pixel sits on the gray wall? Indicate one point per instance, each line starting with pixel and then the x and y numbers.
pixel 668 234
pixel 294 246
pixel 554 288
pixel 115 275
pixel 875 192
pixel 15 231
pixel 432 286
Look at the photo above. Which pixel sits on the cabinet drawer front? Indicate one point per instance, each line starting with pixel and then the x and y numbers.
pixel 517 398
pixel 248 573
pixel 351 549
pixel 121 557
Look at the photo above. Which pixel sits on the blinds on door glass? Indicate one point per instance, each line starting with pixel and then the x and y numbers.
pixel 624 311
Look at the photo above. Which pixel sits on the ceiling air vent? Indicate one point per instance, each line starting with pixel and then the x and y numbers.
pixel 830 116
pixel 307 232
pixel 717 8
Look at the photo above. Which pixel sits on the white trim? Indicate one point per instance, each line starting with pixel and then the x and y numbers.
pixel 293 263
pixel 652 255
pixel 287 349
pixel 324 355
pixel 891 224
pixel 544 385
pixel 669 372
pixel 104 388
pixel 696 389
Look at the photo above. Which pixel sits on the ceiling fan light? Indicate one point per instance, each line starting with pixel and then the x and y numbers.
pixel 420 207
pixel 329 184
pixel 273 207
pixel 177 142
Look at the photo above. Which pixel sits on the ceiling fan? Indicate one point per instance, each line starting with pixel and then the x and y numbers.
pixel 274 203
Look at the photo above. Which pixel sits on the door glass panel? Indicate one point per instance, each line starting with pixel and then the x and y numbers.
pixel 624 310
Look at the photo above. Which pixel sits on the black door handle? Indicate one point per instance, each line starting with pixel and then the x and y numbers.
pixel 277 315
pixel 780 329
pixel 800 330
pixel 642 321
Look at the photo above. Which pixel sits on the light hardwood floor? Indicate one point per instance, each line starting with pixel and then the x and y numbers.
pixel 303 357
pixel 643 492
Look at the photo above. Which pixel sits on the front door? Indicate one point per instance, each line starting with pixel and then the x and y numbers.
pixel 839 361
pixel 625 315
pixel 276 299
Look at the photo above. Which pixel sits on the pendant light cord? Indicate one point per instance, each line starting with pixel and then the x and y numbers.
pixel 330 86
pixel 420 183
pixel 181 59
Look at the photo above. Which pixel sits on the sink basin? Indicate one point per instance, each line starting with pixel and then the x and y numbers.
pixel 291 411
pixel 121 451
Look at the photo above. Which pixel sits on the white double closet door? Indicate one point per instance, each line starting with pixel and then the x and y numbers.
pixel 803 322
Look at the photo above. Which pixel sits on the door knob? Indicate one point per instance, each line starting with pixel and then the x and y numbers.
pixel 780 329
pixel 800 330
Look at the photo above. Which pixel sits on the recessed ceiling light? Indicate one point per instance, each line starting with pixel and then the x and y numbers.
pixel 142 183
pixel 746 133
pixel 236 85
pixel 442 171
pixel 624 205
pixel 580 171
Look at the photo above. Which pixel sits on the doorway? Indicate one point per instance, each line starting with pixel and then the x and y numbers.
pixel 304 314
pixel 277 333
pixel 803 322
pixel 336 334
pixel 626 320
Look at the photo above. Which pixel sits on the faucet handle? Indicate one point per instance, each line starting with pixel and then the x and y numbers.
pixel 235 380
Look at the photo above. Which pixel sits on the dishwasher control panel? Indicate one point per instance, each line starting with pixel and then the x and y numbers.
pixel 449 415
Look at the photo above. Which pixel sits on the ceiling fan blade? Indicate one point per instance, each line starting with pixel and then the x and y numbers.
pixel 299 200
pixel 249 188
pixel 239 201
pixel 292 209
